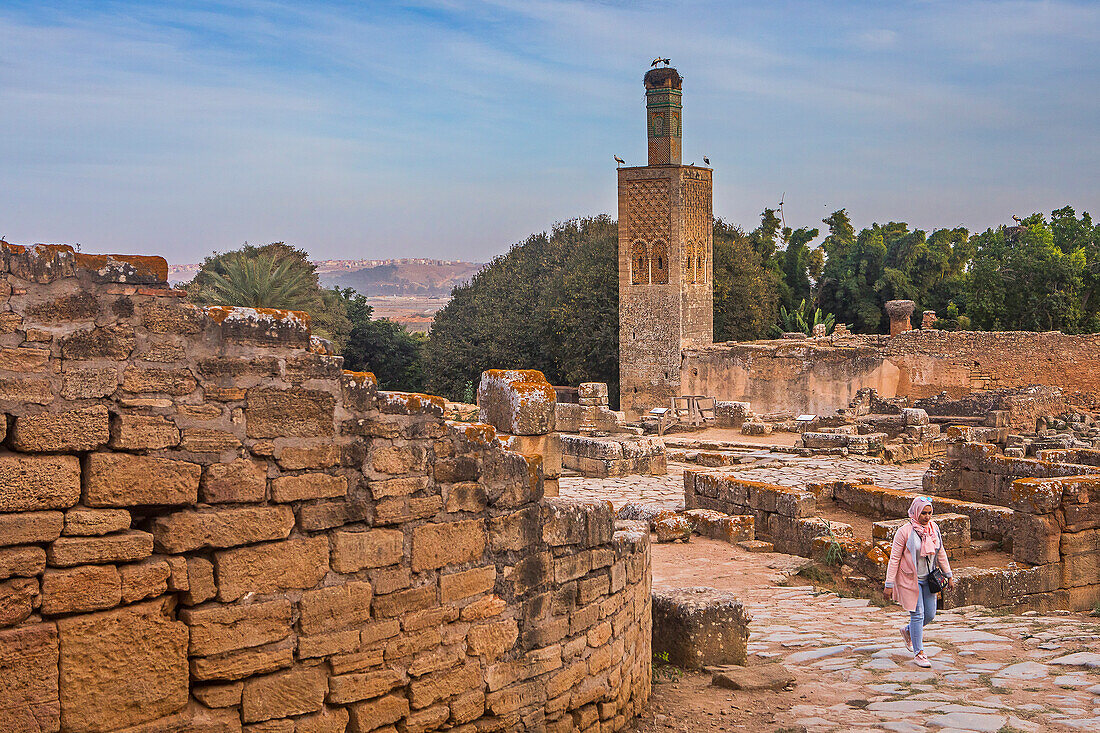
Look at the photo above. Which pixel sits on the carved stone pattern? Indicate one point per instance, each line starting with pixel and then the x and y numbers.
pixel 697 230
pixel 645 215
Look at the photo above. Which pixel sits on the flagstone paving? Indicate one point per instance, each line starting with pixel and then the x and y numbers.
pixel 990 672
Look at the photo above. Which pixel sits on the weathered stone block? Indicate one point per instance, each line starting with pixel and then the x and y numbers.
pixel 293 458
pixel 329 720
pixel 121 667
pixel 144 579
pixel 118 479
pixel 308 486
pixel 200 581
pixel 294 413
pixel 335 607
pixel 698 627
pixel 516 401
pixel 720 526
pixel 347 688
pixel 243 480
pixel 18 597
pixel 24 562
pixel 95 522
pixel 353 550
pixel 29 483
pixel 29 699
pixel 457 586
pixel 371 715
pixel 115 342
pixel 88 382
pixel 271 567
pixel 217 628
pixel 243 663
pixel 24 360
pixel 128 546
pixel 278 695
pixel 189 530
pixel 177 382
pixel 446 543
pixel 28 527
pixel 1036 539
pixel 70 431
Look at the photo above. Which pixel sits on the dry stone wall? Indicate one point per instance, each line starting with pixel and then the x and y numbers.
pixel 206 526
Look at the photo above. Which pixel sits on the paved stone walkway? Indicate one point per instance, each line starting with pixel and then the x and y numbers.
pixel 991 672
pixel 1030 672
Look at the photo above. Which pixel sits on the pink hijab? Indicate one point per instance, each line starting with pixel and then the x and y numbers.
pixel 928 541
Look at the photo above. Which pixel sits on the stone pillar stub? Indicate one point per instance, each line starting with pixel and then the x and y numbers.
pixel 900 311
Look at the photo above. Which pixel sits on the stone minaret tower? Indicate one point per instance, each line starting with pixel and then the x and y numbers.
pixel 666 297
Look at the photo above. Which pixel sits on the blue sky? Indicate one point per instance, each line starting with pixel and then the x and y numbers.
pixel 454 129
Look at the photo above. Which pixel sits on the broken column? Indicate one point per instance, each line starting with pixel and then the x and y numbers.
pixel 928 321
pixel 900 311
pixel 520 403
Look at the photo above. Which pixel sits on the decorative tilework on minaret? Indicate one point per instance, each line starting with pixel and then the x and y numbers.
pixel 662 102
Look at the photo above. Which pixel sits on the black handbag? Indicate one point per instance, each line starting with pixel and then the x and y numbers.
pixel 937 580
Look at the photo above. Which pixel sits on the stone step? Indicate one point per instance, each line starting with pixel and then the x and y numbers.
pixel 983 545
pixel 756 546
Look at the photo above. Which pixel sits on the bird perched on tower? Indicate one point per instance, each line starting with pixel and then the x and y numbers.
pixel 706 160
pixel 659 60
pixel 619 160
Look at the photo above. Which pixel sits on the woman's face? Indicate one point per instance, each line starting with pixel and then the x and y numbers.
pixel 925 515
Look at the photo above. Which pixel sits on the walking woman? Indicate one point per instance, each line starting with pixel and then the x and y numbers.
pixel 916 550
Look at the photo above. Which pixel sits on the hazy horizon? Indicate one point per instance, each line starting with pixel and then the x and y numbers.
pixel 452 130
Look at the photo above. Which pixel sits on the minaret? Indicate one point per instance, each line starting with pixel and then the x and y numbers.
pixel 666 298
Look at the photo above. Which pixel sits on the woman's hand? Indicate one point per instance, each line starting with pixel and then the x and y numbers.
pixel 950 583
pixel 888 594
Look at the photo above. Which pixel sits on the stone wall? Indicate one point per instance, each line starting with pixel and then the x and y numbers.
pixel 206 526
pixel 822 375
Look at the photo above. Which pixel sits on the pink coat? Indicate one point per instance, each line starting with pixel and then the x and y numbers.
pixel 901 572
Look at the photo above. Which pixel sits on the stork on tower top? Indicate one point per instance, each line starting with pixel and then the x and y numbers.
pixel 660 60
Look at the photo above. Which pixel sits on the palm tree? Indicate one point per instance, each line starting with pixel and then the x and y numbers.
pixel 264 281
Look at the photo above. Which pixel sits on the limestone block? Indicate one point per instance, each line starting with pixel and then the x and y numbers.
pixel 720 526
pixel 671 529
pixel 271 567
pixel 370 715
pixel 200 581
pixel 87 383
pixel 119 479
pixel 293 413
pixel 278 695
pixel 335 607
pixel 516 401
pixel 593 391
pixel 217 628
pixel 293 458
pixel 329 720
pixel 869 444
pixel 752 427
pixel 29 699
pixel 24 562
pixel 914 416
pixel 24 359
pixel 548 446
pixel 144 579
pixel 243 663
pixel 308 486
pixel 347 688
pixel 115 342
pixel 699 627
pixel 28 527
pixel 1081 570
pixel 1035 538
pixel 121 667
pixel 353 550
pixel 190 530
pixel 1079 543
pixel 446 543
pixel 975 587
pixel 128 546
pixel 94 522
pixel 219 696
pixel 18 597
pixel 824 440
pixel 461 585
pixel 243 480
pixel 80 589
pixel 61 432
pixel 29 483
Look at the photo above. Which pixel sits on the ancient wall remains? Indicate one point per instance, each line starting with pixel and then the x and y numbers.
pixel 822 375
pixel 207 526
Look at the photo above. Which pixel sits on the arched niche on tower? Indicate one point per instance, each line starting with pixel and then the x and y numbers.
pixel 658 263
pixel 689 262
pixel 639 263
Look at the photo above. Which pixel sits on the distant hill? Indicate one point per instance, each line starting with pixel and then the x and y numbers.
pixel 401 277
pixel 408 276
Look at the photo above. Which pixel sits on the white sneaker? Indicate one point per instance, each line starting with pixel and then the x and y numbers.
pixel 922 661
pixel 907 638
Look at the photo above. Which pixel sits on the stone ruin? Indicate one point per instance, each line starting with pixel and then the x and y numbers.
pixel 206 525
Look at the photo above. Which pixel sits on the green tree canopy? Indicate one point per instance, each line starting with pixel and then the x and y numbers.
pixel 383 347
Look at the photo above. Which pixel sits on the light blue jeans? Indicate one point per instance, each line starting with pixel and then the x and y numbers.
pixel 918 619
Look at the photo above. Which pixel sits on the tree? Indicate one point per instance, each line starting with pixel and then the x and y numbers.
pixel 382 347
pixel 746 290
pixel 549 303
pixel 275 275
pixel 853 275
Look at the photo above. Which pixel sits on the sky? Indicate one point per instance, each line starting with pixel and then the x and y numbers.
pixel 453 129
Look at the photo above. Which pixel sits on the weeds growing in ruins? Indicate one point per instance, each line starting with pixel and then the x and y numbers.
pixel 664 670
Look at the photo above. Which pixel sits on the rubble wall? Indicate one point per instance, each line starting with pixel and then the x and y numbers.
pixel 822 375
pixel 206 526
